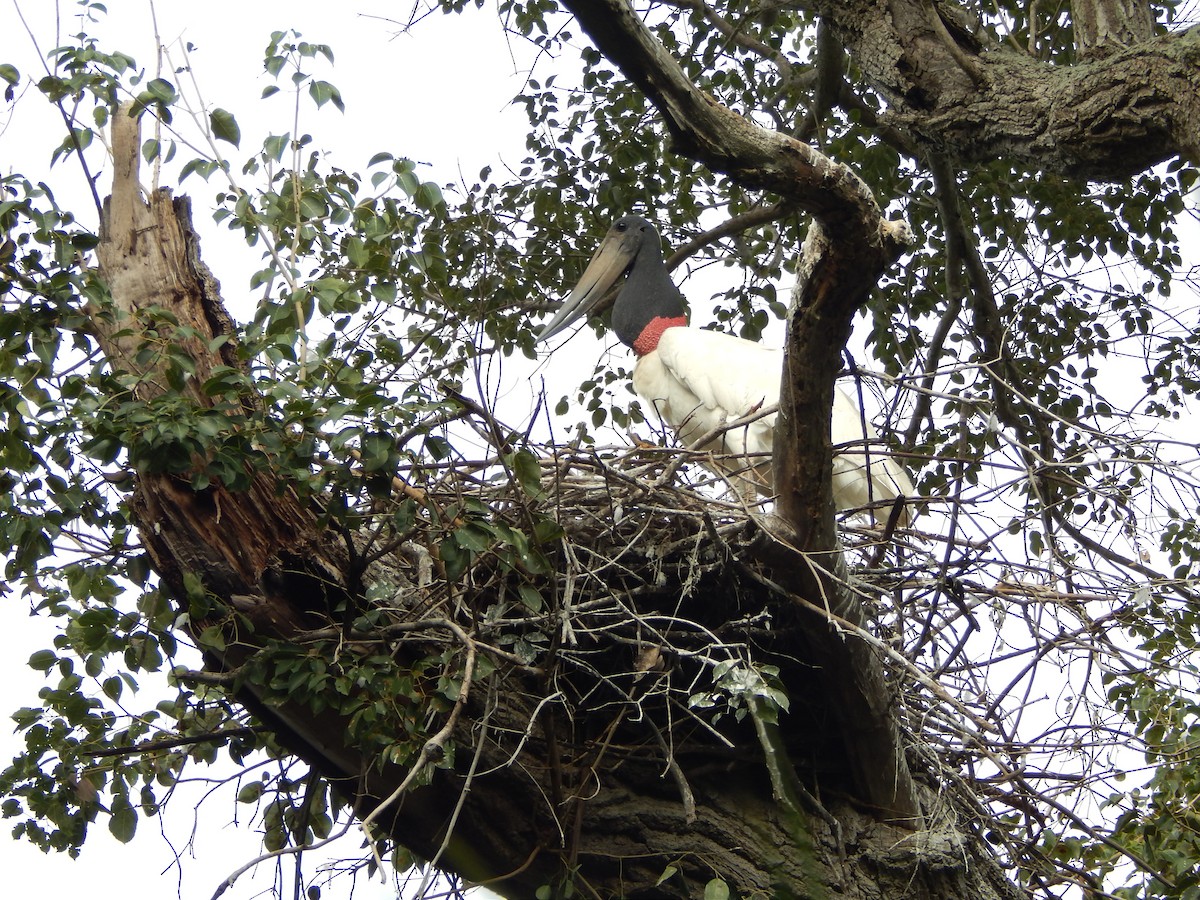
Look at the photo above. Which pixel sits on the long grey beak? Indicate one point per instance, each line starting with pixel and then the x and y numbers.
pixel 613 257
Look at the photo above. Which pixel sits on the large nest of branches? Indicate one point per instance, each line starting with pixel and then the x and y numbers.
pixel 599 622
pixel 645 589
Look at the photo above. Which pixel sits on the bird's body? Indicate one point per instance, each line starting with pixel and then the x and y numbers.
pixel 686 380
pixel 702 383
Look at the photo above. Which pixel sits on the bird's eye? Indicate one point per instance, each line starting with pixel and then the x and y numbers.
pixel 622 226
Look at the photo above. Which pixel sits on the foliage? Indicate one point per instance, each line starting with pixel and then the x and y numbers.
pixel 1035 353
pixel 74 429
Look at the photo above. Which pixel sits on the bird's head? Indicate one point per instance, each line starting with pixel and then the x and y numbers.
pixel 631 248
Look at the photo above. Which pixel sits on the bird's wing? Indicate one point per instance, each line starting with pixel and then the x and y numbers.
pixel 702 379
pixel 728 375
pixel 856 444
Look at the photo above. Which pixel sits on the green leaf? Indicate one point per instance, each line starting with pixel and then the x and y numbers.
pixel 122 824
pixel 275 145
pixel 113 687
pixel 225 127
pixel 473 537
pixel 529 473
pixel 323 92
pixel 212 637
pixel 203 167
pixel 43 660
pixel 455 558
pixel 429 197
pixel 547 531
pixel 12 77
pixel 531 598
pixel 716 890
pixel 377 450
pixel 54 88
pixel 161 90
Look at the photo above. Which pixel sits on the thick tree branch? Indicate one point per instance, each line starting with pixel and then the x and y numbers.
pixel 1101 120
pixel 158 745
pixel 726 142
pixel 755 218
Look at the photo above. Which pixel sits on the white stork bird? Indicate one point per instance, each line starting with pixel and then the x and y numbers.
pixel 699 381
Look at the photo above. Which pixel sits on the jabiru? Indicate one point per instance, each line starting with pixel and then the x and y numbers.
pixel 700 382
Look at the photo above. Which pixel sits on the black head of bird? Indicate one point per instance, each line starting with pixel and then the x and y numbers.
pixel 648 298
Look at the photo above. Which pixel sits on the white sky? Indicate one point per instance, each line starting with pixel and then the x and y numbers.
pixel 439 96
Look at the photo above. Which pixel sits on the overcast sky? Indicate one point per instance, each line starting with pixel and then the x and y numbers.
pixel 439 95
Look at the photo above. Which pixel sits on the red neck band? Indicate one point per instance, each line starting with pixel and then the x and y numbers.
pixel 647 341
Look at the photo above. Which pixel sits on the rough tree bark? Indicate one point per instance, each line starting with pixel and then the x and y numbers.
pixel 259 549
pixel 955 95
pixel 1103 27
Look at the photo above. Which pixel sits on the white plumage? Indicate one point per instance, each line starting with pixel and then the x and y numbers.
pixel 699 381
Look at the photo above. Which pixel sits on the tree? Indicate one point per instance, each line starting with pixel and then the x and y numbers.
pixel 579 669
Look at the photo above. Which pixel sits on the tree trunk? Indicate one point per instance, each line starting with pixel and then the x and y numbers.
pixel 1102 27
pixel 847 250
